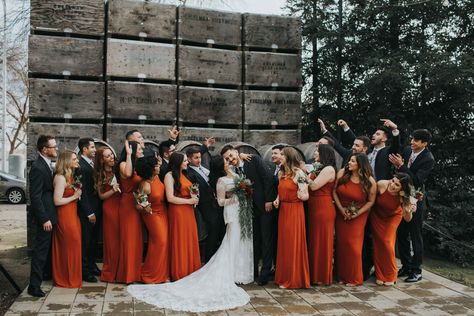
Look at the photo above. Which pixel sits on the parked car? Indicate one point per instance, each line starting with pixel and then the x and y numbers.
pixel 12 188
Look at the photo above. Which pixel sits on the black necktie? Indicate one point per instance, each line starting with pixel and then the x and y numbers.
pixel 240 171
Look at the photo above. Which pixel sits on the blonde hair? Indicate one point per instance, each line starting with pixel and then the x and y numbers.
pixel 292 164
pixel 64 164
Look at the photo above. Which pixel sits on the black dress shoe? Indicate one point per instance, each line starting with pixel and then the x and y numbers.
pixel 413 277
pixel 47 277
pixel 89 278
pixel 403 272
pixel 35 291
pixel 262 281
pixel 96 271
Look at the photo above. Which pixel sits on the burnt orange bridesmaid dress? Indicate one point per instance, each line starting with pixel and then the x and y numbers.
pixel 292 266
pixel 66 246
pixel 156 268
pixel 350 235
pixel 111 234
pixel 322 217
pixel 184 243
pixel 385 217
pixel 131 235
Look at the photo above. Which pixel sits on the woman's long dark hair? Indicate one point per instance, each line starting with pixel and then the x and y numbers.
pixel 405 181
pixel 216 171
pixel 123 157
pixel 174 165
pixel 327 157
pixel 145 166
pixel 365 172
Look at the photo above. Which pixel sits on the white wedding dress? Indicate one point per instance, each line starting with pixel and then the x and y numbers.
pixel 212 287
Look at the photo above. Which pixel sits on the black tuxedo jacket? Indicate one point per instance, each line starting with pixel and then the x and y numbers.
pixel 345 153
pixel 262 182
pixel 419 170
pixel 163 170
pixel 89 203
pixel 41 192
pixel 207 203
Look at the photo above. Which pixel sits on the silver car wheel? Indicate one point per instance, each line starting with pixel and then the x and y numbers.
pixel 15 196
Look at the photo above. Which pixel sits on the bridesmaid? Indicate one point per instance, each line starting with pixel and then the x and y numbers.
pixel 108 190
pixel 354 194
pixel 292 267
pixel 156 266
pixel 130 225
pixel 322 217
pixel 66 245
pixel 184 244
pixel 392 203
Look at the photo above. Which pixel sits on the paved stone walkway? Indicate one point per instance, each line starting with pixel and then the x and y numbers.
pixel 434 295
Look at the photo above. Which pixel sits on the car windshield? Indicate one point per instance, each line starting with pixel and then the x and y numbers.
pixel 10 176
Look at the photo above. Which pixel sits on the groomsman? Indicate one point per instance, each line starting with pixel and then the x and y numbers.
pixel 207 205
pixel 89 210
pixel 263 195
pixel 276 161
pixel 166 148
pixel 43 209
pixel 418 161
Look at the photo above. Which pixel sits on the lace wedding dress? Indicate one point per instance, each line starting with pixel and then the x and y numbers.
pixel 212 287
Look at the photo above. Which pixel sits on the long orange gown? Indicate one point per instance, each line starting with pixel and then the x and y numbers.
pixel 156 268
pixel 322 217
pixel 350 235
pixel 66 247
pixel 111 234
pixel 184 243
pixel 292 266
pixel 385 217
pixel 131 235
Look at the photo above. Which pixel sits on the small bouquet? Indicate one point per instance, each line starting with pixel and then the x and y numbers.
pixel 114 183
pixel 415 195
pixel 141 198
pixel 301 180
pixel 76 184
pixel 317 167
pixel 194 191
pixel 243 191
pixel 353 209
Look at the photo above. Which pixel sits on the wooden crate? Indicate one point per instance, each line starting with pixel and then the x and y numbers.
pixel 136 59
pixel 210 65
pixel 265 137
pixel 264 107
pixel 210 106
pixel 271 31
pixel 209 26
pixel 142 18
pixel 116 133
pixel 272 70
pixel 222 136
pixel 65 56
pixel 67 135
pixel 69 16
pixel 66 99
pixel 129 100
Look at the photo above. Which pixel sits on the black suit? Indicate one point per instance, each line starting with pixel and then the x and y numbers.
pixel 43 209
pixel 341 150
pixel 89 204
pixel 263 229
pixel 419 172
pixel 211 213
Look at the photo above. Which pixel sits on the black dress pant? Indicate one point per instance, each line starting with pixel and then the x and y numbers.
pixel 215 234
pixel 263 242
pixel 87 246
pixel 367 251
pixel 40 257
pixel 412 232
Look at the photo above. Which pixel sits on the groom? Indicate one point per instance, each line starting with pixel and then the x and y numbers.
pixel 263 195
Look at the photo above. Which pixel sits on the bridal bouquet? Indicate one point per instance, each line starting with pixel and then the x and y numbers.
pixel 243 191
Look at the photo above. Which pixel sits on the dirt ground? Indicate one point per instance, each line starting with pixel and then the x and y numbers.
pixel 13 252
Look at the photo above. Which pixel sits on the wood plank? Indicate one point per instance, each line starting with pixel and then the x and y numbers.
pixel 67 135
pixel 209 26
pixel 69 16
pixel 116 134
pixel 66 98
pixel 221 135
pixel 137 59
pixel 129 100
pixel 142 18
pixel 199 105
pixel 272 31
pixel 65 56
pixel 272 70
pixel 265 137
pixel 263 107
pixel 210 65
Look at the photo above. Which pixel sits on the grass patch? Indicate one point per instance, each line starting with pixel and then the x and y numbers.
pixel 449 270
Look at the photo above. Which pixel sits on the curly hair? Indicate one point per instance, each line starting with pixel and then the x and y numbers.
pixel 145 166
pixel 365 172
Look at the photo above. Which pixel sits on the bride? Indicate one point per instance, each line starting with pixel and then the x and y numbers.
pixel 212 287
